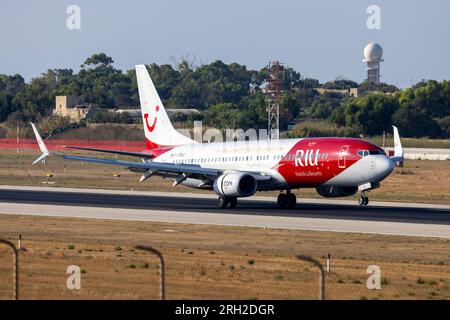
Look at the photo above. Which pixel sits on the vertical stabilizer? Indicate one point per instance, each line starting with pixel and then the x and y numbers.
pixel 158 129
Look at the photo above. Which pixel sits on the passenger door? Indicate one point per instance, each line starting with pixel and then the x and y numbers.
pixel 342 156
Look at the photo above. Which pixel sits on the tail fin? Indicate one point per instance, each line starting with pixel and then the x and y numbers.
pixel 158 129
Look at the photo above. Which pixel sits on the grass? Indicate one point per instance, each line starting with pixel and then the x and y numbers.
pixel 144 265
pixel 221 275
pixel 432 282
pixel 420 281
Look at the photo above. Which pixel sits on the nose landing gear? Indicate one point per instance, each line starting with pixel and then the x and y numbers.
pixel 363 200
pixel 287 200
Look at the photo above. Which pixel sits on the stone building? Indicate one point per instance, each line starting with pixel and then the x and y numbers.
pixel 73 107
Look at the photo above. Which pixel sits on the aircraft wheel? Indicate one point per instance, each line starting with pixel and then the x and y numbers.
pixel 223 202
pixel 363 201
pixel 281 200
pixel 291 200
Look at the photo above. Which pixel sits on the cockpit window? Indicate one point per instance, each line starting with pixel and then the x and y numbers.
pixel 363 153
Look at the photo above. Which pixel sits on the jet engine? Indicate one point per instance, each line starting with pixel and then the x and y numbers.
pixel 333 192
pixel 235 184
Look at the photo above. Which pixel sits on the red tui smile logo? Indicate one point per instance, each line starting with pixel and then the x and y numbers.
pixel 151 127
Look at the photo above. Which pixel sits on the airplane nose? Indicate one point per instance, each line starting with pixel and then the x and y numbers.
pixel 384 167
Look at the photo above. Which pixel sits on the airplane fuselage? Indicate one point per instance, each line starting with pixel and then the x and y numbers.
pixel 295 163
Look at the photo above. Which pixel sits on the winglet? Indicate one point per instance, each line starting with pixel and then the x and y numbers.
pixel 41 144
pixel 398 149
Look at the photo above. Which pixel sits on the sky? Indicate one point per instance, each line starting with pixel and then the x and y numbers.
pixel 320 39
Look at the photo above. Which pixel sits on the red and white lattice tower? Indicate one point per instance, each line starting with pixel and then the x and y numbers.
pixel 273 94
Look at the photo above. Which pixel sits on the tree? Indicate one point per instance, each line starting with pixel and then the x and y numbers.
pixel 10 86
pixel 98 60
pixel 165 79
pixel 371 113
pixel 223 115
pixel 415 122
pixel 101 84
pixel 340 84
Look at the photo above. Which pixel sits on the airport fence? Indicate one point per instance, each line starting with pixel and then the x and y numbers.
pixel 9 270
pixel 80 270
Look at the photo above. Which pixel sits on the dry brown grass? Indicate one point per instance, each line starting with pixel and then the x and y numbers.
pixel 419 181
pixel 203 265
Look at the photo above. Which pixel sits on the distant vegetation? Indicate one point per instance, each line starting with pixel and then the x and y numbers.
pixel 230 95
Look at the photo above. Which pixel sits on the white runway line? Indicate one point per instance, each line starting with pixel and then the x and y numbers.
pixel 211 218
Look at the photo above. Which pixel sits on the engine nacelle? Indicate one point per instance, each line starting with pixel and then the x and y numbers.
pixel 333 192
pixel 235 184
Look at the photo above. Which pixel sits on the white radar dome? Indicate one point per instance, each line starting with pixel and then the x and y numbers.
pixel 373 52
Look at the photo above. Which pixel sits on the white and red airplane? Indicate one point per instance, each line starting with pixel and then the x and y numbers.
pixel 335 167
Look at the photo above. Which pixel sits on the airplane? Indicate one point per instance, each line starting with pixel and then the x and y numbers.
pixel 335 167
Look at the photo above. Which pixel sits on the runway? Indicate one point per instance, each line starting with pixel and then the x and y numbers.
pixel 320 215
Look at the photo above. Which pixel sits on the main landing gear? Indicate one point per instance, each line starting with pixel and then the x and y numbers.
pixel 227 202
pixel 287 200
pixel 363 200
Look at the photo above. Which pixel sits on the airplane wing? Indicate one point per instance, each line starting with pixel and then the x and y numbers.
pixel 154 168
pixel 178 172
pixel 124 153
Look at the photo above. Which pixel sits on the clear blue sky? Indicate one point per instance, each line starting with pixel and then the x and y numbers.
pixel 320 39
